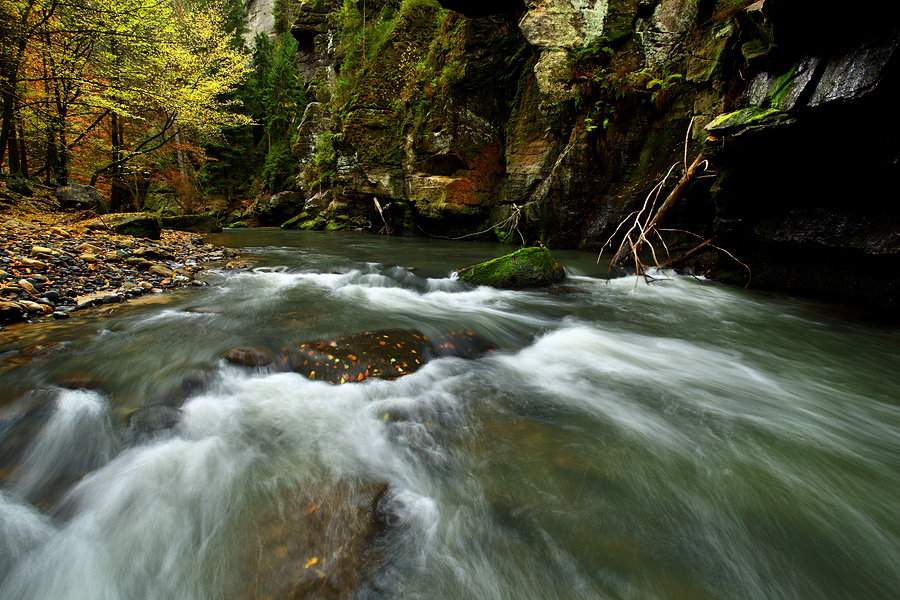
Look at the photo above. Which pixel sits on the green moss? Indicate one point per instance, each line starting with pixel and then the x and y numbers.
pixel 375 109
pixel 525 268
pixel 315 224
pixel 238 225
pixel 294 222
pixel 753 117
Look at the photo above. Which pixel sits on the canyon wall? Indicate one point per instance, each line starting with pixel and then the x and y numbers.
pixel 555 119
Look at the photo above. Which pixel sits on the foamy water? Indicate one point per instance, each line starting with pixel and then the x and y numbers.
pixel 678 440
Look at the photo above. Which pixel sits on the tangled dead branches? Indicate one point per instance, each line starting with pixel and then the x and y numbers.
pixel 644 224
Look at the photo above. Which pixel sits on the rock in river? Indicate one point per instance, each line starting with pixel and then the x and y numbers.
pixel 525 268
pixel 317 540
pixel 381 354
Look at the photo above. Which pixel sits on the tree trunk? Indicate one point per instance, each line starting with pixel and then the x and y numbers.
pixel 179 153
pixel 62 172
pixel 51 159
pixel 9 71
pixel 23 156
pixel 119 194
pixel 14 164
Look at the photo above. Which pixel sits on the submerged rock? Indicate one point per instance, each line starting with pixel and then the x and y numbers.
pixel 315 540
pixel 249 356
pixel 381 354
pixel 149 422
pixel 525 268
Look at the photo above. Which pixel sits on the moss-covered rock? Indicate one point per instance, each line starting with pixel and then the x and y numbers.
pixel 238 225
pixel 751 118
pixel 525 268
pixel 294 222
pixel 316 223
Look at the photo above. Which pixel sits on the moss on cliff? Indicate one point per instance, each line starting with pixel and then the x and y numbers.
pixel 753 117
pixel 374 116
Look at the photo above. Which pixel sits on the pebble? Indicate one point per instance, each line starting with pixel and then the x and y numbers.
pixel 53 271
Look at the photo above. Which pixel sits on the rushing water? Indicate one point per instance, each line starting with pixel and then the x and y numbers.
pixel 680 440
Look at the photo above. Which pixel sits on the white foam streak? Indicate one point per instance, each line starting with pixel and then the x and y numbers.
pixel 77 437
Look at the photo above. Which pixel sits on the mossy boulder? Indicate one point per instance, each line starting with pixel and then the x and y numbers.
pixel 193 223
pixel 525 268
pixel 316 223
pixel 137 225
pixel 238 225
pixel 81 197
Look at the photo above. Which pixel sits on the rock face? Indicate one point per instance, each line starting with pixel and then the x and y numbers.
pixel 260 19
pixel 525 268
pixel 555 27
pixel 279 208
pixel 556 118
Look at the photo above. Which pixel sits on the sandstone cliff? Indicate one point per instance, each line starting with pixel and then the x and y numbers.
pixel 557 117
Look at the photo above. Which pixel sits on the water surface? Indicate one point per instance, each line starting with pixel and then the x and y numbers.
pixel 668 441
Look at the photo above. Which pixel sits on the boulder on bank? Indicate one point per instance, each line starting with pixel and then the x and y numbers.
pixel 192 223
pixel 11 311
pixel 138 225
pixel 81 197
pixel 525 268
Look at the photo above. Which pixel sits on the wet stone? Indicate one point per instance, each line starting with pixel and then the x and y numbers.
pixel 249 356
pixel 151 422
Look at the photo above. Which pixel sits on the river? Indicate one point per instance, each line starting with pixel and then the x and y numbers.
pixel 678 440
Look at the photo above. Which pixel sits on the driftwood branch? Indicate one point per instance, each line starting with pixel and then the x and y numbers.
pixel 709 243
pixel 633 248
pixel 676 262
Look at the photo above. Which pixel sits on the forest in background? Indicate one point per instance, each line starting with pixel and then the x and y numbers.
pixel 124 95
pixel 170 106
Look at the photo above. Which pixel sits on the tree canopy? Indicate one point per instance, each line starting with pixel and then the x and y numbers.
pixel 111 82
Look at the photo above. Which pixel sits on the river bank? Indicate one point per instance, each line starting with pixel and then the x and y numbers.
pixel 53 263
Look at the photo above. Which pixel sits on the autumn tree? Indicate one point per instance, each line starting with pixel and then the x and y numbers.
pixel 20 22
pixel 118 80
